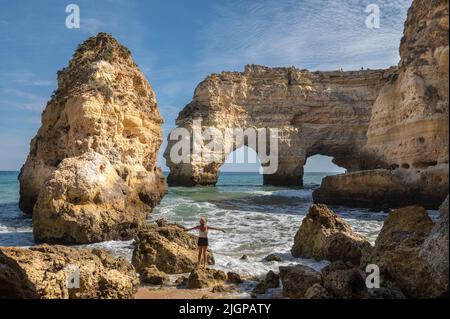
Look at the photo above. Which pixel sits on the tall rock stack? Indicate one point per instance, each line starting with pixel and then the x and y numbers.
pixel 91 174
pixel 406 154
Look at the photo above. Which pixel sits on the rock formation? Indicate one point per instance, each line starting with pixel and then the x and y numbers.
pixel 297 280
pixel 205 278
pixel 91 170
pixel 397 254
pixel 408 129
pixel 382 189
pixel 393 124
pixel 271 280
pixel 46 271
pixel 435 249
pixel 325 236
pixel 168 247
pixel 324 113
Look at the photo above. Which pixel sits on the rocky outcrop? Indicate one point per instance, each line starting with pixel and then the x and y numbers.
pixel 296 280
pixel 325 236
pixel 435 249
pixel 382 189
pixel 168 247
pixel 151 275
pixel 324 113
pixel 397 253
pixel 50 272
pixel 271 280
pixel 205 278
pixel 96 150
pixel 408 128
pixel 344 281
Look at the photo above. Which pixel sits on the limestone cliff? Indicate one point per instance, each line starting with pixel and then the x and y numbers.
pixel 96 149
pixel 323 113
pixel 407 138
pixel 409 123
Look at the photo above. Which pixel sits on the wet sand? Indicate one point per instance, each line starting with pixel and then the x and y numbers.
pixel 175 293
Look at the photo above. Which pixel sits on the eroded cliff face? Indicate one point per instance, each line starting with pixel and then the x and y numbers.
pixel 407 138
pixel 92 165
pixel 409 124
pixel 325 113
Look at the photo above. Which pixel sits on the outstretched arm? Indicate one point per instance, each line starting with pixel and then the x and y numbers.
pixel 216 228
pixel 189 229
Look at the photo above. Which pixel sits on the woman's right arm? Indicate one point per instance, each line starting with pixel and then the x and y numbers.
pixel 189 229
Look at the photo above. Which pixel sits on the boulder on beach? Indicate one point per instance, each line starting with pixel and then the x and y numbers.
pixel 57 272
pixel 168 247
pixel 205 278
pixel 435 249
pixel 397 253
pixel 151 275
pixel 296 280
pixel 317 291
pixel 91 173
pixel 325 236
pixel 234 278
pixel 344 281
pixel 271 280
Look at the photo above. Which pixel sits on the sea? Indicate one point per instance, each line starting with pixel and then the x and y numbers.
pixel 259 220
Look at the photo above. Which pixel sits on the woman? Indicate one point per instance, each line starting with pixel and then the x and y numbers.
pixel 203 239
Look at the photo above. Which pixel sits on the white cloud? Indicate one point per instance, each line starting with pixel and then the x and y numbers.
pixel 310 33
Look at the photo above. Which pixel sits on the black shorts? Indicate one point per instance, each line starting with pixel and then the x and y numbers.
pixel 202 242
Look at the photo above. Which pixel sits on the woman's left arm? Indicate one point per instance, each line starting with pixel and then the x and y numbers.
pixel 216 228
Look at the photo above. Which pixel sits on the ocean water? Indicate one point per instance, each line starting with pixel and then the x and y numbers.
pixel 258 220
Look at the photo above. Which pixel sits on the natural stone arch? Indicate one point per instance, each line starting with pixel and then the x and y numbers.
pixel 324 113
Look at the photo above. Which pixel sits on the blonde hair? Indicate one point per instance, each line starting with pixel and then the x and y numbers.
pixel 203 220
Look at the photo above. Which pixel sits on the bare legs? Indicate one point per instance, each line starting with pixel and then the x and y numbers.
pixel 202 250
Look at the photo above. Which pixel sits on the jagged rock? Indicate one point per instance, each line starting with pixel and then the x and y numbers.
pixel 151 275
pixel 435 249
pixel 169 248
pixel 325 236
pixel 244 257
pixel 296 280
pixel 105 106
pixel 221 289
pixel 397 253
pixel 181 281
pixel 315 113
pixel 273 257
pixel 44 272
pixel 317 291
pixel 409 124
pixel 234 278
pixel 344 281
pixel 382 189
pixel 272 280
pixel 205 278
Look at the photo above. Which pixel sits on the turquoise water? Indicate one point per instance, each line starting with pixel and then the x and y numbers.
pixel 259 220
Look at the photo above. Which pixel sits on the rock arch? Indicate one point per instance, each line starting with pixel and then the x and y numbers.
pixel 324 113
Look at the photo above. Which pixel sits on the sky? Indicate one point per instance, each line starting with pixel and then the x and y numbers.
pixel 177 43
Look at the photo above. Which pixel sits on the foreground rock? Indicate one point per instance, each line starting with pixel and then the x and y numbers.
pixel 382 189
pixel 168 247
pixel 344 281
pixel 397 253
pixel 297 280
pixel 91 172
pixel 435 249
pixel 205 278
pixel 408 128
pixel 272 280
pixel 325 236
pixel 44 272
pixel 151 275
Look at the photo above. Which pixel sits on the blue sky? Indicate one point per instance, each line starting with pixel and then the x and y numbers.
pixel 177 44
